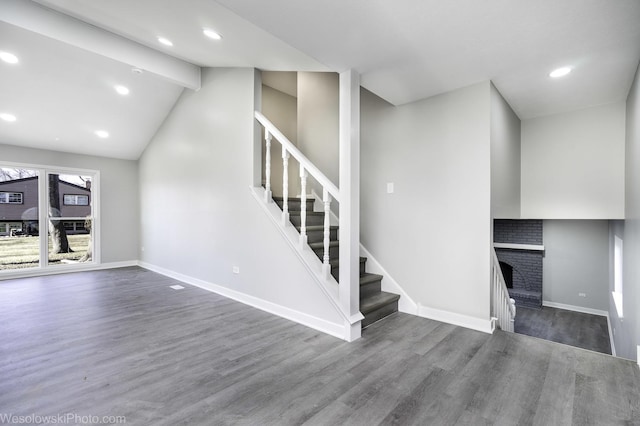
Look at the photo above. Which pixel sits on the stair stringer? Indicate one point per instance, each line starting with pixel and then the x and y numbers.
pixel 406 303
pixel 329 286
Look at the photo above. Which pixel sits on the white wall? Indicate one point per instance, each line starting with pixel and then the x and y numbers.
pixel 433 233
pixel 119 201
pixel 505 159
pixel 318 121
pixel 573 164
pixel 280 109
pixel 198 217
pixel 576 260
pixel 628 330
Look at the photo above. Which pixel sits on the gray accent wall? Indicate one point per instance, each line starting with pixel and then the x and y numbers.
pixel 433 233
pixel 198 215
pixel 576 260
pixel 119 198
pixel 505 159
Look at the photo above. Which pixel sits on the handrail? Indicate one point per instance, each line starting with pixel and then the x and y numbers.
pixel 302 159
pixel 502 306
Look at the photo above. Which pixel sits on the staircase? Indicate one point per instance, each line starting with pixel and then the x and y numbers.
pixel 375 304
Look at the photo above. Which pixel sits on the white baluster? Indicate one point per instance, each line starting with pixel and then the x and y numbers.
pixel 303 206
pixel 285 186
pixel 326 199
pixel 267 168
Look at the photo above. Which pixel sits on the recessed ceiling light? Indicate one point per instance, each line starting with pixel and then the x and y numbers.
pixel 9 58
pixel 165 41
pixel 103 134
pixel 136 71
pixel 8 117
pixel 123 90
pixel 211 34
pixel 560 72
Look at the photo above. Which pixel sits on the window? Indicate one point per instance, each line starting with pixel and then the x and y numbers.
pixel 617 275
pixel 62 203
pixel 77 226
pixel 10 197
pixel 76 200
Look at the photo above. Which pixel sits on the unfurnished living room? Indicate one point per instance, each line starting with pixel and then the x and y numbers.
pixel 323 213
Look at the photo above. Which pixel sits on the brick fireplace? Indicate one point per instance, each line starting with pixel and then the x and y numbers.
pixel 520 250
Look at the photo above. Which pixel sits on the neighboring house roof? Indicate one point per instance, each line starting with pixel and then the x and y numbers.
pixel 4 182
pixel 12 181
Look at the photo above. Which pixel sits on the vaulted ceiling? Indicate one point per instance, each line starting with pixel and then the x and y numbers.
pixel 73 52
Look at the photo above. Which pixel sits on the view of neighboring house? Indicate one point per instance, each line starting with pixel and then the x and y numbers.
pixel 19 206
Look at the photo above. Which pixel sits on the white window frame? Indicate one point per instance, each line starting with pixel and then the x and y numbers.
pixel 618 272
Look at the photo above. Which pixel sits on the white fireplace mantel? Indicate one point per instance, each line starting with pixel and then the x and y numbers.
pixel 518 246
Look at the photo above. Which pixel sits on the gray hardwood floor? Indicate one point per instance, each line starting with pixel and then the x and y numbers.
pixel 571 328
pixel 122 343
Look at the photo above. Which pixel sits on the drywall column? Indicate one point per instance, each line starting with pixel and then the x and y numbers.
pixel 627 338
pixel 350 198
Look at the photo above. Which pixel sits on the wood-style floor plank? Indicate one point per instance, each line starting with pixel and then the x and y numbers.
pixel 122 343
pixel 586 331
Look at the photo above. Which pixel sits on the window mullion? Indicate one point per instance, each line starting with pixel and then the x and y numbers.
pixel 43 216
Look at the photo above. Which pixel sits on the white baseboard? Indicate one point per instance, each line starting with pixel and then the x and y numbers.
pixel 333 329
pixel 65 269
pixel 405 304
pixel 575 308
pixel 478 324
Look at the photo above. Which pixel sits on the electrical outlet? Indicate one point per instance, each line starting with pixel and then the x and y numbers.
pixel 236 269
pixel 582 294
pixel 390 188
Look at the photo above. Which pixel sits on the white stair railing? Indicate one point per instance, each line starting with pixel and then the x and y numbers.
pixel 329 190
pixel 503 308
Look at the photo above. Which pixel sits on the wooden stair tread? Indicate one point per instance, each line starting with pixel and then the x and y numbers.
pixel 311 228
pixel 309 213
pixel 336 262
pixel 320 244
pixel 376 301
pixel 368 278
pixel 295 199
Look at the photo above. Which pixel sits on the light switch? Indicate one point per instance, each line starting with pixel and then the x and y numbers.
pixel 390 188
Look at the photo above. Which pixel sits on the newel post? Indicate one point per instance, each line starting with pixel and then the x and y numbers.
pixel 349 230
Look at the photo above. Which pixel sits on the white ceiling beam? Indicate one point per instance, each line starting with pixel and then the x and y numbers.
pixel 69 30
